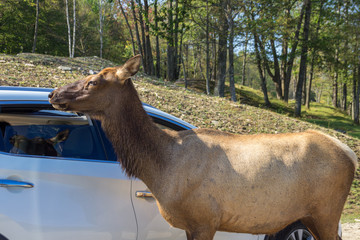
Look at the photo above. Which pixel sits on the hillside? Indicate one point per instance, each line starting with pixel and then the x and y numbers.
pixel 190 105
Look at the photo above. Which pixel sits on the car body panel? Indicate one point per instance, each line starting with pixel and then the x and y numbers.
pixel 152 224
pixel 71 199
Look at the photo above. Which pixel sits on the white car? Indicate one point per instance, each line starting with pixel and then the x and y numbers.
pixel 59 178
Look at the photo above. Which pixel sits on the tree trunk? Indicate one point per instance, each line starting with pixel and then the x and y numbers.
pixel 284 54
pixel 308 94
pixel 68 25
pixel 357 116
pixel 180 54
pixel 222 52
pixel 214 53
pixel 231 58
pixel 149 57
pixel 207 50
pixel 243 72
pixel 184 69
pixel 137 33
pixel 101 27
pixel 355 94
pixel 314 54
pixel 303 58
pixel 157 67
pixel 170 45
pixel 303 99
pixel 292 56
pixel 176 40
pixel 74 28
pixel 344 97
pixel 128 25
pixel 143 38
pixel 276 77
pixel 261 71
pixel 36 26
pixel 335 82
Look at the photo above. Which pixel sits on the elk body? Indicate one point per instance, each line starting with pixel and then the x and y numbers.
pixel 205 180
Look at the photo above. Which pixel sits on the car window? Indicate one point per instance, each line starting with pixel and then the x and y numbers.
pixel 28 131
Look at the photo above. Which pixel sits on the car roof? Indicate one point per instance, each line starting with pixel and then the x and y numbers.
pixel 10 94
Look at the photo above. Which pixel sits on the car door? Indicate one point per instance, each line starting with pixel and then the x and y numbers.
pixel 77 194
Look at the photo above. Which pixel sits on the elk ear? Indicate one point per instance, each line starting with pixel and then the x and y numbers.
pixel 60 137
pixel 130 68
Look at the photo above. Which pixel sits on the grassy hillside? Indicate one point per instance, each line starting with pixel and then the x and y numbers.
pixel 246 117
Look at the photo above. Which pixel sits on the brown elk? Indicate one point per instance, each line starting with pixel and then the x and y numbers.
pixel 206 180
pixel 38 145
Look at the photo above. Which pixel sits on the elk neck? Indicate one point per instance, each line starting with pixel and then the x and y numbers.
pixel 139 144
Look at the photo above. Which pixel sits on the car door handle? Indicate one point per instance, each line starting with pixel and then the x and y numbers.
pixel 143 194
pixel 14 183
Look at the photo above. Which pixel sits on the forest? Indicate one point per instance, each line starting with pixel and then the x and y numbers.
pixel 299 51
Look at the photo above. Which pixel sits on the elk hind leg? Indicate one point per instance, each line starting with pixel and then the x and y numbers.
pixel 309 223
pixel 327 228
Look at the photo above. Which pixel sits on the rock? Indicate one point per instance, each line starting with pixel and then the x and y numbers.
pixel 64 68
pixel 29 65
pixel 2 61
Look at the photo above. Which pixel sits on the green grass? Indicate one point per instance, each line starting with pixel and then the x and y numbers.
pixel 352 206
pixel 319 113
pixel 330 117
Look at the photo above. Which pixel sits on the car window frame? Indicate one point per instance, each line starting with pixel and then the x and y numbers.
pixel 96 129
pixel 41 105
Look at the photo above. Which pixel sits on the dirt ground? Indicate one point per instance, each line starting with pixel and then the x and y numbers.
pixel 351 231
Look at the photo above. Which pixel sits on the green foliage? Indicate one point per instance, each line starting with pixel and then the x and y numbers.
pixel 17 23
pixel 16 26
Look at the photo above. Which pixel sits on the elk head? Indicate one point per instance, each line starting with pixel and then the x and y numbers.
pixel 95 93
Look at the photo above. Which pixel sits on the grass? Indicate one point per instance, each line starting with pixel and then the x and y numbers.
pixel 330 117
pixel 319 113
pixel 249 116
pixel 352 207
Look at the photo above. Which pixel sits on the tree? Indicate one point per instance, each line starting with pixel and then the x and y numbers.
pixel 128 25
pixel 157 67
pixel 149 57
pixel 231 16
pixel 138 41
pixel 356 67
pixel 208 76
pixel 219 89
pixel 259 61
pixel 243 79
pixel 71 42
pixel 36 26
pixel 314 54
pixel 303 60
pixel 101 23
pixel 292 55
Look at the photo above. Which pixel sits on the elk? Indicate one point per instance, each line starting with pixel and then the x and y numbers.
pixel 205 180
pixel 38 145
